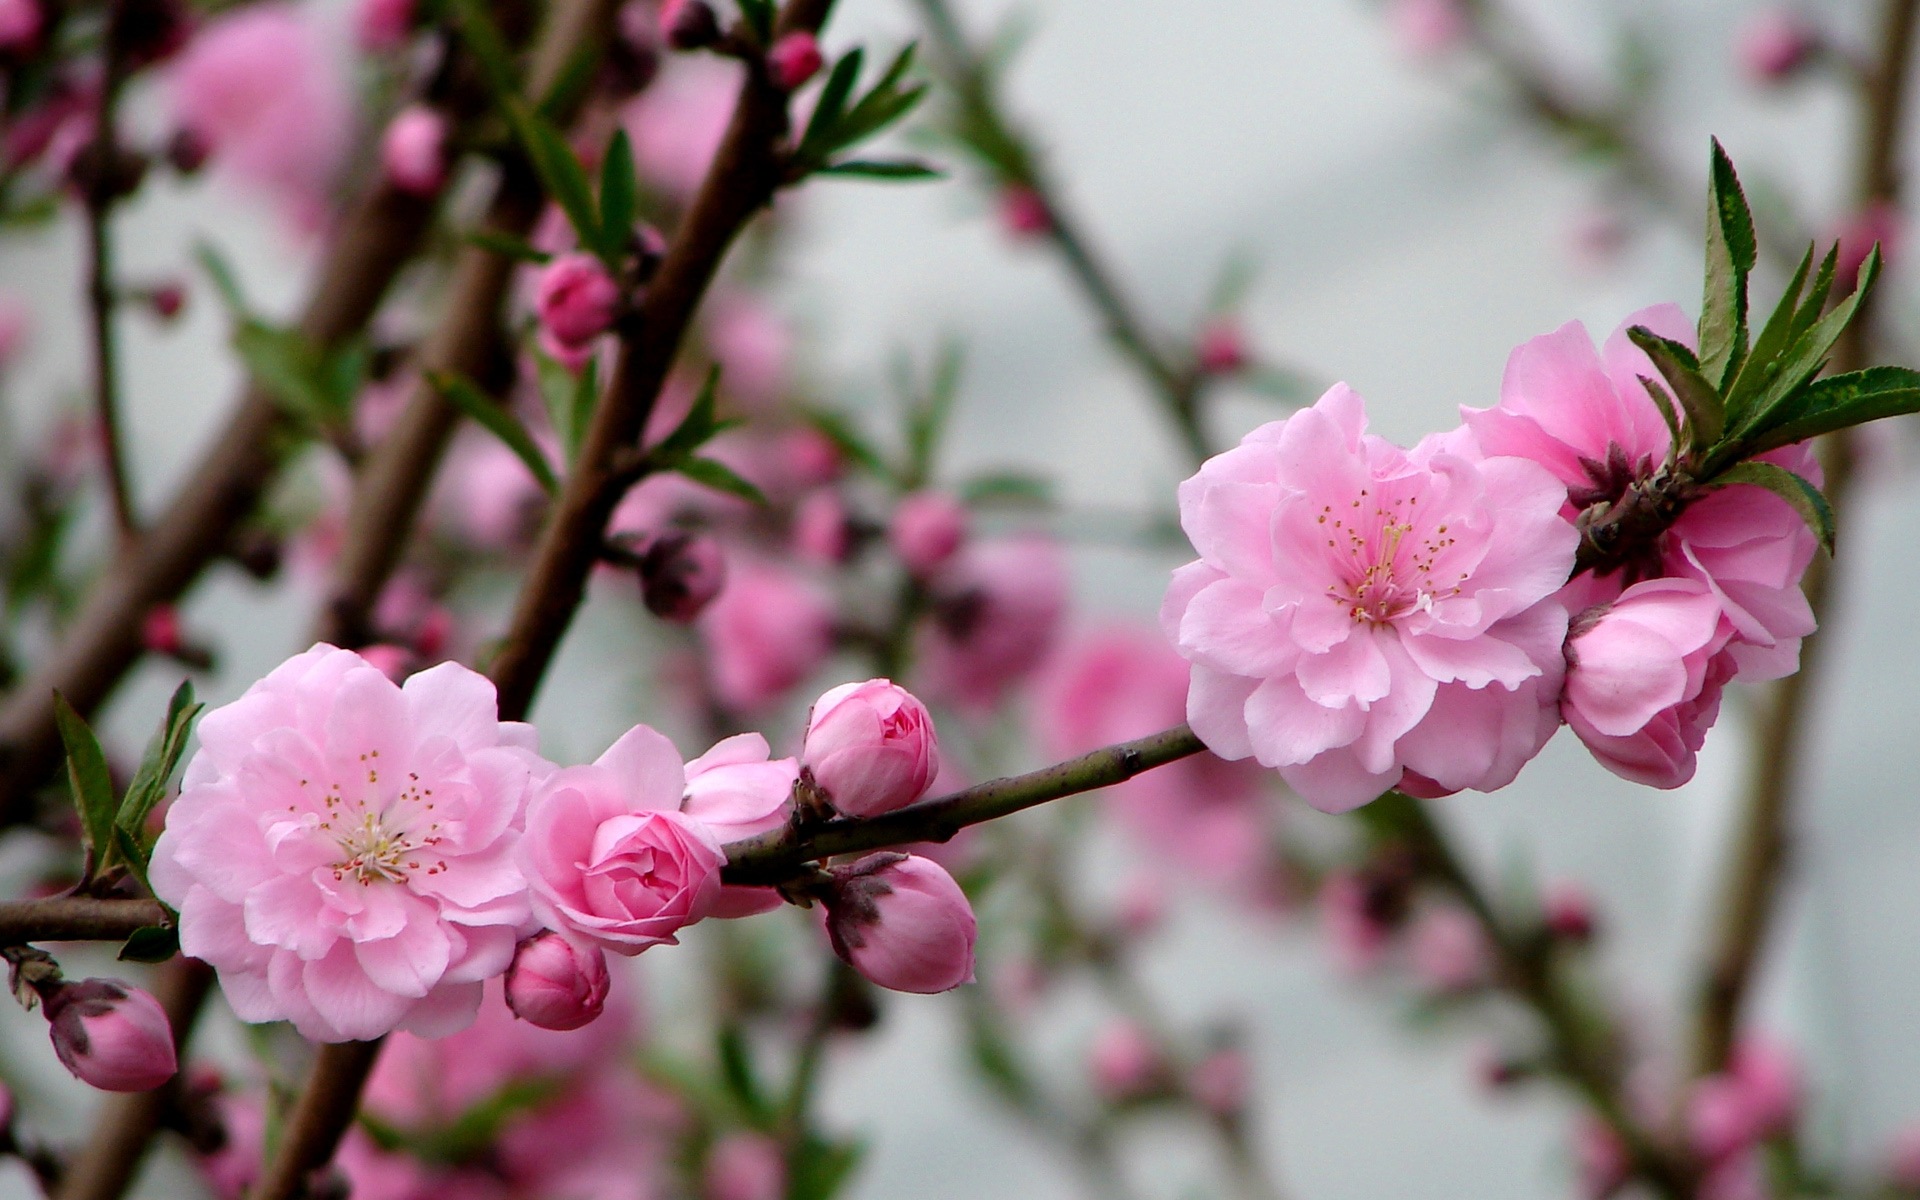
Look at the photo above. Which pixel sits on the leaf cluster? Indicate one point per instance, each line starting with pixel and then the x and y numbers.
pixel 315 385
pixel 840 122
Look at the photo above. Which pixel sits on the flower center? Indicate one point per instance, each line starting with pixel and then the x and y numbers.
pixel 1386 573
pixel 370 848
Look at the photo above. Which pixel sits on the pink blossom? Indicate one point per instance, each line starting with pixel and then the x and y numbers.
pixel 20 22
pixel 342 848
pixel 754 347
pixel 1428 29
pixel 1221 348
pixel 1586 417
pixel 490 497
pixel 556 984
pixel 822 533
pixel 738 790
pixel 1201 813
pixel 258 88
pixel 1755 1098
pixel 793 59
pixel 769 629
pixel 1644 677
pixel 1447 950
pixel 413 150
pixel 1355 920
pixel 1142 906
pixel 111 1035
pixel 381 25
pixel 1880 223
pixel 870 747
pixel 903 923
pixel 1222 1082
pixel 745 1166
pixel 609 857
pixel 1360 612
pixel 677 123
pixel 1601 1158
pixel 1124 1061
pixel 998 607
pixel 926 531
pixel 575 299
pixel 1568 912
pixel 1774 43
pixel 688 24
pixel 1024 213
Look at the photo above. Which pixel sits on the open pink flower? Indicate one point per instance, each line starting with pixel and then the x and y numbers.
pixel 342 848
pixel 1644 677
pixel 737 789
pixel 1361 612
pixel 769 628
pixel 608 855
pixel 1585 416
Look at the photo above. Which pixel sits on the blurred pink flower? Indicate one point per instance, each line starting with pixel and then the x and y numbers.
pixel 1222 1082
pixel 822 530
pixel 413 150
pixel 769 629
pixel 1755 1098
pixel 1427 29
pixel 1600 1157
pixel 576 301
pixel 1880 223
pixel 381 25
pixel 1447 951
pixel 1360 612
pixel 1774 43
pixel 608 855
pixel 793 59
pixel 258 87
pixel 1024 213
pixel 342 848
pixel 754 347
pixel 926 531
pixel 998 607
pixel 20 22
pixel 1124 1061
pixel 745 1166
pixel 1903 1158
pixel 15 325
pixel 677 123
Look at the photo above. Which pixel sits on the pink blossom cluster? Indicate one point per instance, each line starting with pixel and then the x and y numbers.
pixel 357 856
pixel 1363 617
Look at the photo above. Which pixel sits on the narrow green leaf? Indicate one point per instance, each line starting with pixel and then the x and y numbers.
pixel 1815 301
pixel 163 753
pixel 840 430
pixel 1664 403
pixel 1697 399
pixel 876 110
pixel 507 247
pixel 619 201
pixel 821 1167
pixel 224 280
pixel 759 15
pixel 586 398
pixel 571 84
pixel 697 427
pixel 134 852
pixel 1803 496
pixel 1758 369
pixel 816 143
pixel 894 170
pixel 557 392
pixel 736 1073
pixel 494 417
pixel 282 362
pixel 559 170
pixel 1805 358
pixel 486 44
pixel 1731 251
pixel 719 477
pixel 151 944
pixel 342 376
pixel 91 783
pixel 1007 487
pixel 1839 402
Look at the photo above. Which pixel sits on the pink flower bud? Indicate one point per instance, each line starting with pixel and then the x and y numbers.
pixel 821 531
pixel 680 574
pixel 926 531
pixel 413 151
pixel 1221 348
pixel 160 631
pixel 1222 1082
pixel 555 984
pixel 1024 213
pixel 383 24
pixel 870 747
pixel 1602 1158
pixel 576 300
pixel 1568 912
pixel 168 300
pixel 1124 1062
pixel 6 1109
pixel 903 923
pixel 1428 29
pixel 20 22
pixel 794 59
pixel 1755 1098
pixel 745 1166
pixel 111 1035
pixel 689 24
pixel 1774 44
pixel 1448 951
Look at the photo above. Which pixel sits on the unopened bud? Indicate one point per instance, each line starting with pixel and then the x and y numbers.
pixel 1125 1063
pixel 680 574
pixel 1222 1082
pixel 902 922
pixel 870 748
pixel 413 151
pixel 1775 44
pixel 20 24
pixel 1024 212
pixel 1568 913
pixel 576 300
pixel 111 1035
pixel 167 300
pixel 927 529
pixel 745 1166
pixel 794 59
pixel 160 631
pixel 555 984
pixel 1221 348
pixel 188 151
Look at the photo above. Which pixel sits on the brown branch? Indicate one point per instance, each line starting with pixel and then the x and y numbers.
pixel 745 173
pixel 319 1119
pixel 124 1128
pixel 102 186
pixel 776 857
pixel 76 919
pixel 1746 903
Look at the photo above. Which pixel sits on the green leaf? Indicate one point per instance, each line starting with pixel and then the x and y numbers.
pixel 559 170
pixel 1839 402
pixel 571 84
pixel 224 280
pixel 897 170
pixel 1804 359
pixel 1664 403
pixel 134 852
pixel 91 783
pixel 818 1167
pixel 759 15
pixel 151 944
pixel 163 754
pixel 719 477
pixel 697 428
pixel 489 49
pixel 840 430
pixel 1759 366
pixel 736 1073
pixel 284 363
pixel 1007 487
pixel 1803 496
pixel 507 247
pixel 1705 416
pixel 463 395
pixel 1731 251
pixel 878 109
pixel 570 399
pixel 619 201
pixel 817 142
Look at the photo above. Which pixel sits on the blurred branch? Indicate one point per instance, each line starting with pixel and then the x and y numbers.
pixel 319 1119
pixel 1584 1049
pixel 1746 902
pixel 77 919
pixel 102 187
pixel 1175 376
pixel 774 858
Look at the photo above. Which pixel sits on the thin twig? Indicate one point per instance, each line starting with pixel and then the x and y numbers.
pixel 775 857
pixel 76 919
pixel 101 189
pixel 1746 902
pixel 319 1119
